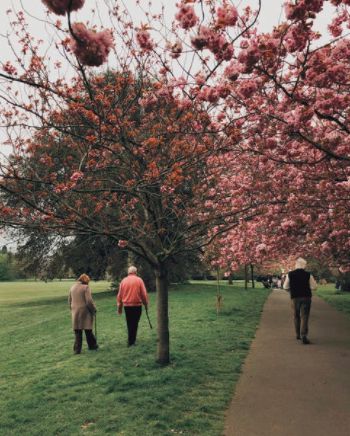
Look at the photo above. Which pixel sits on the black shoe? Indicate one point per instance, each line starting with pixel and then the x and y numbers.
pixel 298 337
pixel 305 340
pixel 94 348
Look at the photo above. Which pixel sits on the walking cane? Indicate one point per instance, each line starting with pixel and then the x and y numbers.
pixel 149 321
pixel 96 326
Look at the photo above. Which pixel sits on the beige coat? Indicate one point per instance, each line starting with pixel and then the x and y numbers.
pixel 82 307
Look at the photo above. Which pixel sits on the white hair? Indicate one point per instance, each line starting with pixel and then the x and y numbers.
pixel 300 263
pixel 132 269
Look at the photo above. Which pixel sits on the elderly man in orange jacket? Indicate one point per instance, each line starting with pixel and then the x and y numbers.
pixel 132 295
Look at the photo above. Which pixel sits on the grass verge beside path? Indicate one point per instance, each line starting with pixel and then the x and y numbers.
pixel 46 390
pixel 339 300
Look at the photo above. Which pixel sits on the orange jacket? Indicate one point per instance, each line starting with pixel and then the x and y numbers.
pixel 132 292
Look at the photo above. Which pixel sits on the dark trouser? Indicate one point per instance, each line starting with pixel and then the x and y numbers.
pixel 133 315
pixel 90 339
pixel 301 309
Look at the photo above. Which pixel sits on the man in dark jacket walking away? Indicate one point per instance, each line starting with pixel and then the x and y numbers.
pixel 300 283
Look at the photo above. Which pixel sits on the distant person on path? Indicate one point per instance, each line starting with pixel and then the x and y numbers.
pixel 83 310
pixel 283 279
pixel 132 294
pixel 300 283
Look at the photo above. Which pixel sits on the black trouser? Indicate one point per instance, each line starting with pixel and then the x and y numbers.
pixel 133 315
pixel 301 310
pixel 90 339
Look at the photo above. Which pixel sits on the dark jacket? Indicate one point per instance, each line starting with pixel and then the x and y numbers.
pixel 299 283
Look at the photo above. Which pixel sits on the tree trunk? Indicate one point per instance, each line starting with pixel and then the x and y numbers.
pixel 245 276
pixel 252 275
pixel 163 354
pixel 230 279
pixel 131 258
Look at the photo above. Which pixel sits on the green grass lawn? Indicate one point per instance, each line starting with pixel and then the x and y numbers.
pixel 29 291
pixel 340 300
pixel 46 390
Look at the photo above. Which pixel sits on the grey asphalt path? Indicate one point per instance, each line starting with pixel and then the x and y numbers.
pixel 290 389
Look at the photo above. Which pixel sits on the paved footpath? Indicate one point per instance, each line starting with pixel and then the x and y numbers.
pixel 290 389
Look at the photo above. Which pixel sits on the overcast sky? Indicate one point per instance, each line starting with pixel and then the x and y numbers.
pixel 270 13
pixel 36 16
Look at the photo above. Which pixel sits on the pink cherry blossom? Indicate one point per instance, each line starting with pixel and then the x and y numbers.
pixel 175 49
pixel 77 175
pixel 222 49
pixel 61 7
pixel 184 103
pixel 335 27
pixel 61 188
pixel 216 43
pixel 186 16
pixel 261 247
pixel 10 69
pixel 247 88
pixel 302 9
pixel 144 40
pixel 209 94
pixel 148 101
pixel 296 37
pixel 90 47
pixel 122 243
pixel 233 71
pixel 201 40
pixel 227 16
pixel 249 56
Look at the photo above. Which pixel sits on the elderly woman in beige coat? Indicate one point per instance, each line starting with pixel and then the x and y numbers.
pixel 83 310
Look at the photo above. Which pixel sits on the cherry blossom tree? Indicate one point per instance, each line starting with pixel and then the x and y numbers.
pixel 137 145
pixel 127 164
pixel 110 167
pixel 289 97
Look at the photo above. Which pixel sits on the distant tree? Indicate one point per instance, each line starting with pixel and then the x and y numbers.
pixel 6 270
pixel 56 267
pixel 35 254
pixel 320 269
pixel 94 256
pixel 344 280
